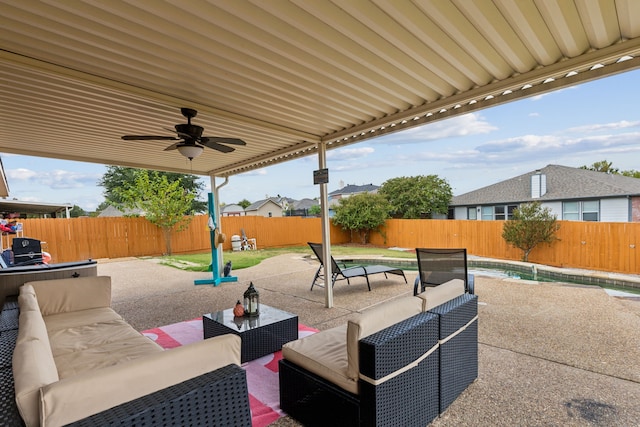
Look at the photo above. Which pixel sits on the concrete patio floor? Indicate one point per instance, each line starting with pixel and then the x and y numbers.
pixel 550 354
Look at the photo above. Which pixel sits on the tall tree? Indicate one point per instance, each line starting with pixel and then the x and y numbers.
pixel 77 211
pixel 607 167
pixel 244 203
pixel 417 196
pixel 531 225
pixel 602 166
pixel 117 177
pixel 362 214
pixel 164 203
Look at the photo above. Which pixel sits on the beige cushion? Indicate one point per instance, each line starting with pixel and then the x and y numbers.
pixel 77 397
pixel 28 302
pixel 32 326
pixel 33 368
pixel 61 321
pixel 73 294
pixel 92 335
pixel 433 297
pixel 27 289
pixel 373 320
pixel 108 354
pixel 325 354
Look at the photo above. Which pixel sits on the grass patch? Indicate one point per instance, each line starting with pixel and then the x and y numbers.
pixel 245 259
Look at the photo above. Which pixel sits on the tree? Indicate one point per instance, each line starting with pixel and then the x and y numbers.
pixel 244 203
pixel 417 196
pixel 117 177
pixel 602 166
pixel 362 213
pixel 314 210
pixel 77 211
pixel 164 203
pixel 607 167
pixel 531 225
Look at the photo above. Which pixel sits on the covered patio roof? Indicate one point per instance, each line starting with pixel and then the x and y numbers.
pixel 283 75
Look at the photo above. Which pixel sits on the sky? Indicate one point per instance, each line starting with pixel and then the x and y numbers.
pixel 574 126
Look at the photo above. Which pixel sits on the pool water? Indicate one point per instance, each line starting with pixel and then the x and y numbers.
pixel 493 271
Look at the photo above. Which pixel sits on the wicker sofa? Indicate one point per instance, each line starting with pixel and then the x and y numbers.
pixel 77 362
pixel 400 363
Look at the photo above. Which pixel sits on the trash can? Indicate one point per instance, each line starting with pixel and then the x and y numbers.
pixel 236 242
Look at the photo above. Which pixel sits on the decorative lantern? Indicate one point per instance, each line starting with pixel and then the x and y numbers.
pixel 251 301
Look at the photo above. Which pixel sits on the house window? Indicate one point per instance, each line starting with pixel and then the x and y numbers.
pixel 499 212
pixel 588 210
pixel 487 213
pixel 472 213
pixel 591 210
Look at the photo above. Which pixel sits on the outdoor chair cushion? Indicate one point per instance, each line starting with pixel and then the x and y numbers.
pixel 373 320
pixel 33 364
pixel 324 354
pixel 434 296
pixel 80 293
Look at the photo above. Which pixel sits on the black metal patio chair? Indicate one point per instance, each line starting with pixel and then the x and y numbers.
pixel 349 272
pixel 437 266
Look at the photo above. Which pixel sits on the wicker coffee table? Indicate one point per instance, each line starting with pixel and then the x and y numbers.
pixel 260 335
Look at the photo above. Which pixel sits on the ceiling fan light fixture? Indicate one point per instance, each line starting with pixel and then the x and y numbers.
pixel 190 151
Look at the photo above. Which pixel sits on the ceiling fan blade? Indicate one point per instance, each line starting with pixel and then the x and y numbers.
pixel 216 146
pixel 148 137
pixel 173 146
pixel 233 141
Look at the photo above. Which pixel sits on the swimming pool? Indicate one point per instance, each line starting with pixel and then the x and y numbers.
pixel 505 269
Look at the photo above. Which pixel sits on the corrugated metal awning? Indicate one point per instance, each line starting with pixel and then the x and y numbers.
pixel 283 75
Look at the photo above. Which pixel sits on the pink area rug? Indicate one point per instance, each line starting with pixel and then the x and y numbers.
pixel 262 374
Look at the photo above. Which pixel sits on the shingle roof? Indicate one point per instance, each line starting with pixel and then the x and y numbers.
pixel 353 189
pixel 257 205
pixel 563 183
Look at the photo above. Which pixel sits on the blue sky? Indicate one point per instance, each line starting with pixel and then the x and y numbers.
pixel 572 127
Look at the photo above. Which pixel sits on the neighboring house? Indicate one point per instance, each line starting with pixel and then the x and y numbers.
pixel 300 207
pixel 232 210
pixel 352 189
pixel 111 211
pixel 267 207
pixel 346 191
pixel 570 193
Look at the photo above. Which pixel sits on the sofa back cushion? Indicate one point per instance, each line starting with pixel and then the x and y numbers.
pixel 73 294
pixel 27 300
pixel 33 365
pixel 434 296
pixel 373 320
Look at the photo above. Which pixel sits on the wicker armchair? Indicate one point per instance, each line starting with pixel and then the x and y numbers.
pixel 408 372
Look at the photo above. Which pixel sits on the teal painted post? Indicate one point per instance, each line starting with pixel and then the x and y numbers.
pixel 215 269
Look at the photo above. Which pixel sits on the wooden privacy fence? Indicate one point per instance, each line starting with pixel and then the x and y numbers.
pixel 590 245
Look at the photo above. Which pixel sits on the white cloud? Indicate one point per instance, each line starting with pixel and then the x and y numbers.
pixel 344 154
pixel 460 126
pixel 54 179
pixel 596 127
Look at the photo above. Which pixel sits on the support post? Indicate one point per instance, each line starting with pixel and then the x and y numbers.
pixel 216 253
pixel 326 229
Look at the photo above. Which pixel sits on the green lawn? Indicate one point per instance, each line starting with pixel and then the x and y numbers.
pixel 244 259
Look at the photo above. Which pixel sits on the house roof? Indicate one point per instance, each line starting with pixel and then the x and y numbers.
pixel 304 204
pixel 283 76
pixel 232 208
pixel 563 183
pixel 23 206
pixel 112 211
pixel 260 203
pixel 354 189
